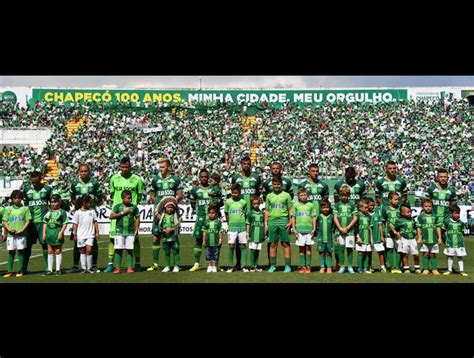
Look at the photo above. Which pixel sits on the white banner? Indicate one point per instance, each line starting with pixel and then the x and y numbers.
pixel 189 218
pixel 154 129
pixel 433 93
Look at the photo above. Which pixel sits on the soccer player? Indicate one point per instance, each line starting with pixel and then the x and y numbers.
pixel 127 218
pixel 169 228
pixel 389 217
pixel 37 196
pixel 303 222
pixel 16 220
pixel 86 185
pixel 364 237
pixel 250 184
pixel 429 236
pixel 324 230
pixel 454 228
pixel 125 180
pixel 345 218
pixel 405 230
pixel 379 241
pixel 212 239
pixel 215 192
pixel 268 188
pixel 443 197
pixel 391 182
pixel 255 233
pixel 163 184
pixel 85 230
pixel 317 190
pixel 277 223
pixel 54 226
pixel 200 200
pixel 235 209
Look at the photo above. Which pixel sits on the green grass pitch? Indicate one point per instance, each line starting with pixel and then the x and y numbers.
pixel 36 269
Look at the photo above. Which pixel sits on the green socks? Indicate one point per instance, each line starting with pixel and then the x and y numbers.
pixel 156 252
pixel 273 260
pixel 230 256
pixel 129 258
pixel 359 261
pixel 167 251
pixel 11 258
pixel 425 262
pixel 302 260
pixel 329 261
pixel 197 252
pixel 341 255
pixel 118 258
pixel 399 259
pixel 20 260
pixel 243 260
pixel 308 260
pixel 390 258
pixel 434 263
pixel 176 257
pixel 111 250
pixel 321 261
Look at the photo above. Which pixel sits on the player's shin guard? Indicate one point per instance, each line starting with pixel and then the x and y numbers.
pixel 329 261
pixel 156 252
pixel 111 250
pixel 197 253
pixel 425 262
pixel 136 251
pixel 243 250
pixel 129 259
pixel 302 260
pixel 118 258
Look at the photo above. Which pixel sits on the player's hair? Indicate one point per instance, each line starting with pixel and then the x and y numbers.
pixel 405 206
pixel 16 194
pixel 313 165
pixel 125 193
pixel 345 190
pixel 245 159
pixel 125 160
pixel 236 187
pixel 216 177
pixel 56 198
pixel 213 209
pixel 85 165
pixel 326 203
pixel 442 170
pixel 302 190
pixel 164 160
pixel 392 194
pixel 364 201
pixel 84 200
pixel 350 170
pixel 203 170
pixel 454 209
pixel 276 180
pixel 35 174
pixel 426 200
pixel 255 197
pixel 370 200
pixel 276 163
pixel 390 162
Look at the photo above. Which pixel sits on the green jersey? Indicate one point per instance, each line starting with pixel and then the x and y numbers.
pixel 406 227
pixel 118 183
pixel 236 210
pixel 250 186
pixel 454 233
pixel 256 221
pixel 55 220
pixel 168 186
pixel 126 224
pixel 200 197
pixel 427 223
pixel 304 214
pixel 37 201
pixel 364 228
pixel 316 192
pixel 441 201
pixel 278 205
pixel 285 186
pixel 216 195
pixel 91 188
pixel 357 190
pixel 325 228
pixel 16 217
pixel 212 228
pixel 376 219
pixel 384 186
pixel 389 217
pixel 168 223
pixel 345 212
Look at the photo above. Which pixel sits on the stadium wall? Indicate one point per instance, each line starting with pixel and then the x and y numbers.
pixel 35 138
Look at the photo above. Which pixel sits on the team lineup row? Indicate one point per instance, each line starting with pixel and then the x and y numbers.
pixel 353 224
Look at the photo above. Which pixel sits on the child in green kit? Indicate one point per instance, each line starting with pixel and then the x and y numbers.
pixel 429 236
pixel 364 237
pixel 255 233
pixel 324 229
pixel 212 238
pixel 454 230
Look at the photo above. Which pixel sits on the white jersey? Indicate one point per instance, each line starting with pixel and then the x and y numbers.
pixel 85 220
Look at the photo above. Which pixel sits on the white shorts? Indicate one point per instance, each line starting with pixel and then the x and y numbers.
pixel 347 241
pixel 232 237
pixel 255 246
pixel 304 240
pixel 379 247
pixel 85 242
pixel 16 243
pixel 431 248
pixel 389 243
pixel 364 248
pixel 124 242
pixel 408 246
pixel 451 251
